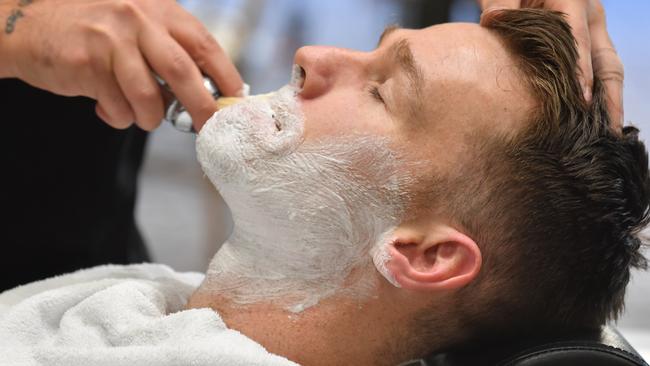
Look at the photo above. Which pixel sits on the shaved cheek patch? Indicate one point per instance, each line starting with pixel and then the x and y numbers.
pixel 306 214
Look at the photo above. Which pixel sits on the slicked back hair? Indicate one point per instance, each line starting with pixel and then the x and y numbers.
pixel 556 207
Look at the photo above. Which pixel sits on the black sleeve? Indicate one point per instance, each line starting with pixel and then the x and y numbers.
pixel 68 188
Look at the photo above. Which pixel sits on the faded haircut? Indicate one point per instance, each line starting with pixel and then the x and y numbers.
pixel 557 207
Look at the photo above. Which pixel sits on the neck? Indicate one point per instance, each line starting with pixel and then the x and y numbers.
pixel 338 331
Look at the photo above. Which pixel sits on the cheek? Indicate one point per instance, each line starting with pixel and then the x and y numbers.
pixel 344 114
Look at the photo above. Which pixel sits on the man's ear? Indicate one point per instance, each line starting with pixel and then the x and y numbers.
pixel 443 259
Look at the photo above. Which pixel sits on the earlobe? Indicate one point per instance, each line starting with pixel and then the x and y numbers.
pixel 444 260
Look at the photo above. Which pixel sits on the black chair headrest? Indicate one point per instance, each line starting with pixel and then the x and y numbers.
pixel 596 348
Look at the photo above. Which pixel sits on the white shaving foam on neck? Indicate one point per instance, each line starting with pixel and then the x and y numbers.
pixel 305 214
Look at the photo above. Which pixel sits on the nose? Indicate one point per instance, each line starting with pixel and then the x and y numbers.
pixel 327 67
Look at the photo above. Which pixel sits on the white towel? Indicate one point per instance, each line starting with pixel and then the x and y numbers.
pixel 119 315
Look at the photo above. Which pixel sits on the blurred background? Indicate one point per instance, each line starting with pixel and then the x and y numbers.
pixel 182 217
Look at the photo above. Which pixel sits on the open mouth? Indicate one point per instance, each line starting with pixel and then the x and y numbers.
pixel 278 125
pixel 297 81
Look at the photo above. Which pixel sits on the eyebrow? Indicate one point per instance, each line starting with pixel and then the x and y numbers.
pixel 401 52
pixel 388 30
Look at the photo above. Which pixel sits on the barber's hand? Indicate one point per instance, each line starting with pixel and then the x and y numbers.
pixel 596 52
pixel 107 50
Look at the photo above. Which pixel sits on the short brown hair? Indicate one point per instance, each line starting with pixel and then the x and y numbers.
pixel 557 207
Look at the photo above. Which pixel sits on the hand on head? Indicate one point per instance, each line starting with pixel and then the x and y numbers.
pixel 597 56
pixel 109 50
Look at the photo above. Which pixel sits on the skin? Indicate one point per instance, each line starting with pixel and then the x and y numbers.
pixel 107 50
pixel 468 83
pixel 597 55
pixel 119 35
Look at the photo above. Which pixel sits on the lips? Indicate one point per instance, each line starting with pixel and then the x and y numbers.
pixel 257 128
pixel 278 117
pixel 266 114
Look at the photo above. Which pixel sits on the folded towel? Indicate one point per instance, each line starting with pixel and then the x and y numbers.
pixel 119 315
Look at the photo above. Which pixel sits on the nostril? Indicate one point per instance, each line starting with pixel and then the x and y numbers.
pixel 303 76
pixel 298 75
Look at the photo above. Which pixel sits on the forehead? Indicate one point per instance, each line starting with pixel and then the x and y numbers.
pixel 471 80
pixel 461 50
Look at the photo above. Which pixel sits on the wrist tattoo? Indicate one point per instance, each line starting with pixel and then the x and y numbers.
pixel 15 15
pixel 11 21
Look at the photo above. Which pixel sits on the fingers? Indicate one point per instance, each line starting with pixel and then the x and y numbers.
pixel 607 67
pixel 489 6
pixel 99 110
pixel 596 53
pixel 169 60
pixel 578 19
pixel 140 88
pixel 207 53
pixel 112 106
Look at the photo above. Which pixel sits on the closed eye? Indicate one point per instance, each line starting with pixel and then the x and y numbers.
pixel 374 92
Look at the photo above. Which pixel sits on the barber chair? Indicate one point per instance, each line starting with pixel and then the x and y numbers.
pixel 606 347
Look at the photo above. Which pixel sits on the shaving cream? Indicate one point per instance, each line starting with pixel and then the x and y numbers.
pixel 306 214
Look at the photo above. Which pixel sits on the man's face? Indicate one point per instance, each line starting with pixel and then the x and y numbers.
pixel 423 89
pixel 317 182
